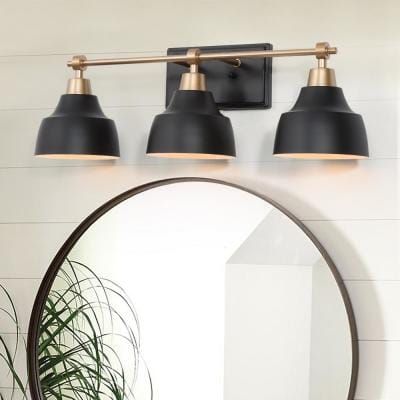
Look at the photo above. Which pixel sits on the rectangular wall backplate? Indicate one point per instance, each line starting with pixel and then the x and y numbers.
pixel 247 87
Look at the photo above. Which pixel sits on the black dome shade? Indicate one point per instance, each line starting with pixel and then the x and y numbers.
pixel 191 127
pixel 77 129
pixel 321 125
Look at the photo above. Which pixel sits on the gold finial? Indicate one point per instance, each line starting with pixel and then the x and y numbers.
pixel 193 80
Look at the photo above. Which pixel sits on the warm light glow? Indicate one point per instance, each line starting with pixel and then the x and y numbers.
pixel 77 156
pixel 321 156
pixel 194 156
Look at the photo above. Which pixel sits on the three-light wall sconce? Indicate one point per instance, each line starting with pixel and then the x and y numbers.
pixel 321 125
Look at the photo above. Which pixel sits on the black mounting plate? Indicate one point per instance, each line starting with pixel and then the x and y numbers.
pixel 247 87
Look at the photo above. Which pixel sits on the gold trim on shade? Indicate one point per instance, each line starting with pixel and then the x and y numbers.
pixel 320 156
pixel 76 156
pixel 194 156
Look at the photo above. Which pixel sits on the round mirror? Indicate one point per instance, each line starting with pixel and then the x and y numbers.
pixel 192 288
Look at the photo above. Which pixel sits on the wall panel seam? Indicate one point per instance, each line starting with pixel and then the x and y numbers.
pixel 163 50
pixel 302 220
pixel 123 106
pixel 174 164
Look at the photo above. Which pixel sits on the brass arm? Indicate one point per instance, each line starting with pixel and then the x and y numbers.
pixel 322 51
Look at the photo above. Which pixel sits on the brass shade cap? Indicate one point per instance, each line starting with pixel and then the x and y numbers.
pixel 79 86
pixel 193 81
pixel 321 77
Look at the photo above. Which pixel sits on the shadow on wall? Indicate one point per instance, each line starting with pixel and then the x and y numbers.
pixel 342 245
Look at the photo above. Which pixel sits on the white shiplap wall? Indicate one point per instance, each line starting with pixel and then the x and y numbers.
pixel 351 207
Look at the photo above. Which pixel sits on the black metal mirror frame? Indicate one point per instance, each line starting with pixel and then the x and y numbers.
pixel 47 282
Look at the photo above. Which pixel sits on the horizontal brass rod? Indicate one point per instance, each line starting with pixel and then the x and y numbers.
pixel 230 57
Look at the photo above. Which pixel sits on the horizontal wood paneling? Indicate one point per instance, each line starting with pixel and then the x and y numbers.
pixel 254 133
pixel 347 190
pixel 380 359
pixel 353 208
pixel 99 26
pixel 42 79
pixel 379 363
pixel 143 85
pixel 365 250
pixel 375 305
pixel 375 357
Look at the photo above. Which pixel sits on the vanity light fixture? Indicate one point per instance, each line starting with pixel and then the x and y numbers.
pixel 78 128
pixel 320 126
pixel 192 126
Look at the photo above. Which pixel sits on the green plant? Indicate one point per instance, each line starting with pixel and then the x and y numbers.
pixel 85 320
pixel 8 354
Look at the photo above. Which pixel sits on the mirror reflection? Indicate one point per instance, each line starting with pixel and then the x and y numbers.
pixel 195 290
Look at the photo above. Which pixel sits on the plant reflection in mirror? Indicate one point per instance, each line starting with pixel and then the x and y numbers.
pixel 8 352
pixel 89 345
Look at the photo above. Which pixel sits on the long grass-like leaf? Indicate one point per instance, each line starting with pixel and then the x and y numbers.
pixel 77 359
pixel 9 355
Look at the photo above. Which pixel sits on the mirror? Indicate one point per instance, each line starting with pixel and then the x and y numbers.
pixel 192 288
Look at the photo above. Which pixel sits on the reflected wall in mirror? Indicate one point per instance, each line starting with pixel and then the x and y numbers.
pixel 192 288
